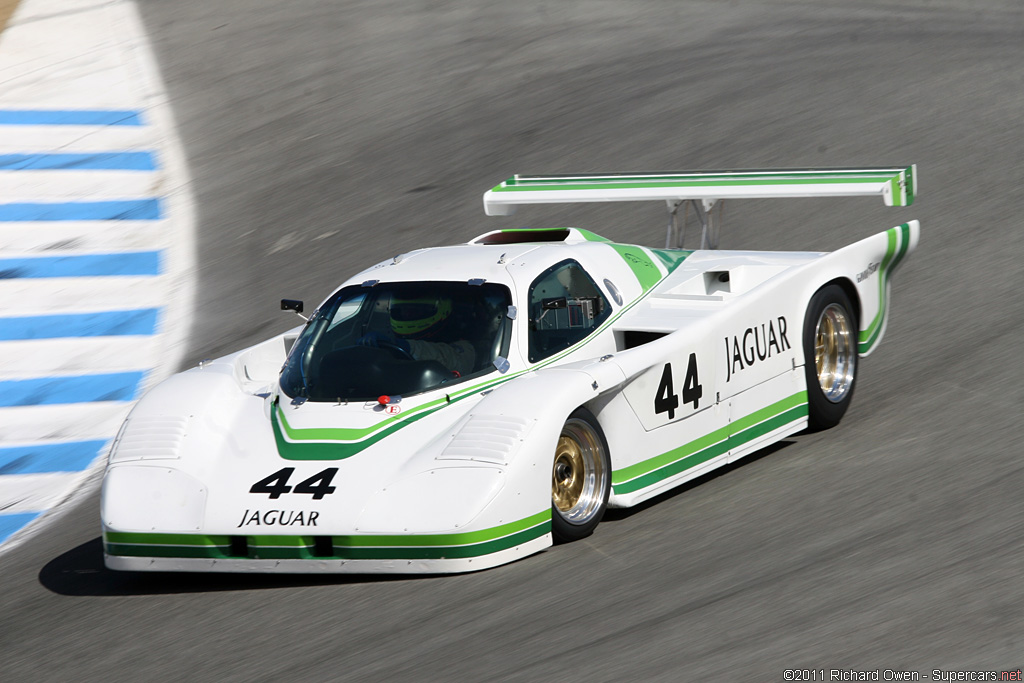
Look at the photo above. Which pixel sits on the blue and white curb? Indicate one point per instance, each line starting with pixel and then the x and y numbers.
pixel 96 246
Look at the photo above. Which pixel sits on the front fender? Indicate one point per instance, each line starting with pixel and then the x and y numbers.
pixel 536 406
pixel 493 466
pixel 182 409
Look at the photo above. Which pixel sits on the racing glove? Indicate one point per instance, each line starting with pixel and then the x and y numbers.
pixel 379 339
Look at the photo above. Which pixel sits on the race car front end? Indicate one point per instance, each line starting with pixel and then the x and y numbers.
pixel 312 471
pixel 186 492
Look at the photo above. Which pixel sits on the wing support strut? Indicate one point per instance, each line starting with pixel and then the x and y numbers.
pixel 674 236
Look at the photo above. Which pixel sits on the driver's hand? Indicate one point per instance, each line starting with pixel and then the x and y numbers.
pixel 373 339
pixel 379 339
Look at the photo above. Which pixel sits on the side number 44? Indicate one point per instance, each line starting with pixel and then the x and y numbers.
pixel 666 400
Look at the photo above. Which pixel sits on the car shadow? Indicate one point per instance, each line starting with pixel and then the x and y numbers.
pixel 80 572
pixel 613 515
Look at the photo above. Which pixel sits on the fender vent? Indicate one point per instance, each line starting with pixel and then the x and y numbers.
pixel 486 438
pixel 150 438
pixel 630 339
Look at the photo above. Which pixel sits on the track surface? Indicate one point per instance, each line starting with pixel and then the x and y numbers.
pixel 324 136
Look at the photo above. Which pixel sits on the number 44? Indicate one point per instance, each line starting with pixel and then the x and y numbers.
pixel 666 401
pixel 318 486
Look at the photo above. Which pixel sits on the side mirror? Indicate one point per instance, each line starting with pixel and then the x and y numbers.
pixel 293 305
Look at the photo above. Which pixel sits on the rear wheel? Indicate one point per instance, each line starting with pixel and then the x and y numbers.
pixel 580 478
pixel 830 353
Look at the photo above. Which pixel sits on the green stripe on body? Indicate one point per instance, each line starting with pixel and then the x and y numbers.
pixel 333 450
pixel 443 552
pixel 370 547
pixel 900 236
pixel 193 552
pixel 330 443
pixel 463 538
pixel 166 539
pixel 344 433
pixel 645 270
pixel 162 545
pixel 718 442
pixel 592 236
pixel 672 258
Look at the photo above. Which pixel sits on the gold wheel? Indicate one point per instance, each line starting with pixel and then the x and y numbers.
pixel 835 355
pixel 567 475
pixel 579 477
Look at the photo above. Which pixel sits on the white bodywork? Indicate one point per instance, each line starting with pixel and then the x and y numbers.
pixel 460 479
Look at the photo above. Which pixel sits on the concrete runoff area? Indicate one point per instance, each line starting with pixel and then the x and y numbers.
pixel 323 137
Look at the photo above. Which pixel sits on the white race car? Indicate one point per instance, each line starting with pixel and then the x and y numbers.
pixel 459 407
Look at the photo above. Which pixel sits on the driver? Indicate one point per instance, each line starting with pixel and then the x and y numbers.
pixel 415 321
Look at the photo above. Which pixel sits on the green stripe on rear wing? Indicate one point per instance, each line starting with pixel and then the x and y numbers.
pixel 896 185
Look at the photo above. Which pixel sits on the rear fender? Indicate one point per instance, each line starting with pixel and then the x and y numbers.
pixel 867 267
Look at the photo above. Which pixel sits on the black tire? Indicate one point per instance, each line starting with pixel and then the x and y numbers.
pixel 581 478
pixel 830 356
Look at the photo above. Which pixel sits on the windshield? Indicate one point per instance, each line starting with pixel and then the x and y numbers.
pixel 398 339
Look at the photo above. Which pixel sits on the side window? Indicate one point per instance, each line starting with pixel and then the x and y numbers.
pixel 565 307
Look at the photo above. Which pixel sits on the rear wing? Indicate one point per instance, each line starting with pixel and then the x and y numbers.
pixel 897 186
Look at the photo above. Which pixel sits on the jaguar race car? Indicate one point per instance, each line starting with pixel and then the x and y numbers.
pixel 456 408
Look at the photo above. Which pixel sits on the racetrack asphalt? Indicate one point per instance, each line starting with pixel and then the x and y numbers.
pixel 323 137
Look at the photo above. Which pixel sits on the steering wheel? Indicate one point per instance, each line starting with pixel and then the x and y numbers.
pixel 369 357
pixel 392 346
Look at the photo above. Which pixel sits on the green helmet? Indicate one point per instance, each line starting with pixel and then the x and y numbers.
pixel 415 316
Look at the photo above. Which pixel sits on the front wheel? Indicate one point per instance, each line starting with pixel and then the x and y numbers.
pixel 580 478
pixel 830 340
